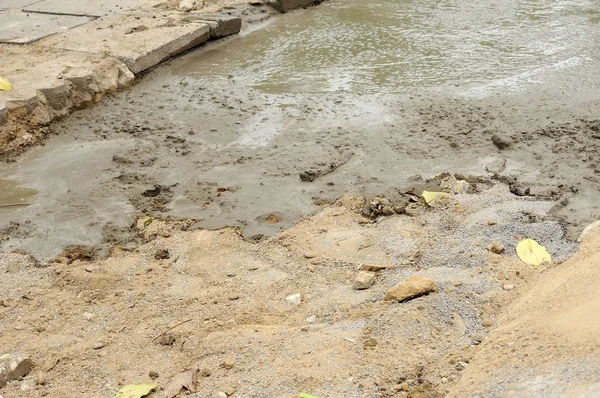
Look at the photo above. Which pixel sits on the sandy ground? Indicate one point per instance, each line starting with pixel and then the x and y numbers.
pixel 93 326
pixel 547 340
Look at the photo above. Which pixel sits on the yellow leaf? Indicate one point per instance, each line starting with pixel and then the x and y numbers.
pixel 431 196
pixel 530 252
pixel 136 390
pixel 5 85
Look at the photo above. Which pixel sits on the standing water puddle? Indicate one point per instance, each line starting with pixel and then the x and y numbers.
pixel 390 46
pixel 13 196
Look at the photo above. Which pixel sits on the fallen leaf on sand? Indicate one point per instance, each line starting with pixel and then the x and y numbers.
pixel 136 390
pixel 5 85
pixel 186 379
pixel 431 196
pixel 530 252
pixel 307 396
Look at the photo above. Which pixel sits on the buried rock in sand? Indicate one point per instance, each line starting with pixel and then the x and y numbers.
pixel 413 287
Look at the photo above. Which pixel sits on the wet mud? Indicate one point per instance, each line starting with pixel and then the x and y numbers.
pixel 322 103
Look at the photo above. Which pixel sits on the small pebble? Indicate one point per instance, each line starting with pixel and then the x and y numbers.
pixel 97 346
pixel 496 247
pixel 228 363
pixel 153 374
pixel 294 299
pixel 40 378
pixel 508 286
pixel 371 343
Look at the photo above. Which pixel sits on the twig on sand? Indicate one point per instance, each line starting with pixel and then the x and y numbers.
pixel 173 327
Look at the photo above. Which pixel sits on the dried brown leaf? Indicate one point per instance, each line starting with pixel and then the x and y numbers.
pixel 186 379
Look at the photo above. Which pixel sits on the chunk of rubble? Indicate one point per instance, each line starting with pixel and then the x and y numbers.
pixel 13 367
pixel 364 280
pixel 415 286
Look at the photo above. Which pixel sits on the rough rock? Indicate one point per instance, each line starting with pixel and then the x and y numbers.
pixel 496 247
pixel 162 254
pixel 188 5
pixel 295 299
pixel 410 288
pixel 364 280
pixel 375 267
pixel 501 141
pixel 13 367
pixel 229 363
pixel 460 186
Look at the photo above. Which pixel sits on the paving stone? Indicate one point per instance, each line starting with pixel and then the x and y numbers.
pixel 289 5
pixel 6 4
pixel 24 28
pixel 93 8
pixel 138 40
pixel 220 25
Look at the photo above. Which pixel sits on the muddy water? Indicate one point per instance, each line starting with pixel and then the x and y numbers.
pixel 390 46
pixel 405 87
pixel 13 196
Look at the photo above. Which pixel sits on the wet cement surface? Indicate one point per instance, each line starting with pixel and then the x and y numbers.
pixel 384 90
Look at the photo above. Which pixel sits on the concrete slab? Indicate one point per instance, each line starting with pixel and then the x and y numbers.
pixel 48 84
pixel 138 40
pixel 17 4
pixel 94 8
pixel 289 5
pixel 21 28
pixel 49 72
pixel 221 25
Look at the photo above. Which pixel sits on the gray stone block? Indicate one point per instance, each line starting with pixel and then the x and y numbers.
pixel 144 60
pixel 93 8
pixel 220 25
pixel 58 97
pixel 289 5
pixel 138 40
pixel 21 28
pixel 7 4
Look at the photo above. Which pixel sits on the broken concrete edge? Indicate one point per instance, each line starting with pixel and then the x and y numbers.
pixel 24 121
pixel 168 50
pixel 221 25
pixel 289 5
